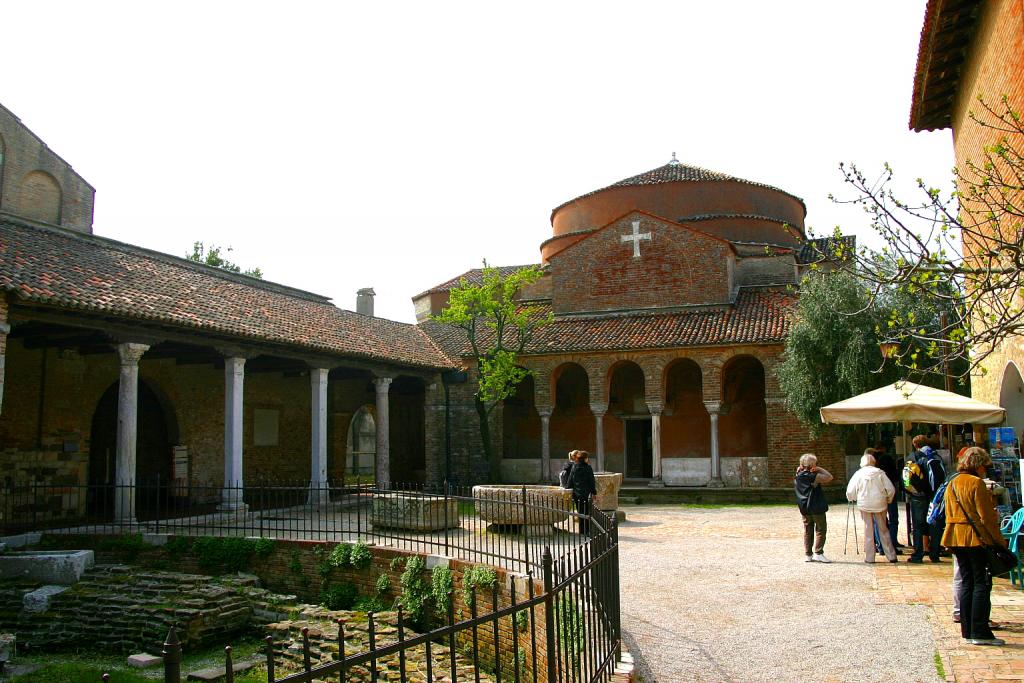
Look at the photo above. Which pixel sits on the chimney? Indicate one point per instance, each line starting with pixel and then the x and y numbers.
pixel 364 301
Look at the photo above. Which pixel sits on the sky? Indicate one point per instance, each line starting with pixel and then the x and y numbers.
pixel 393 145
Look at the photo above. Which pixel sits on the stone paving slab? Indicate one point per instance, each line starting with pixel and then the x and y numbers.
pixel 932 585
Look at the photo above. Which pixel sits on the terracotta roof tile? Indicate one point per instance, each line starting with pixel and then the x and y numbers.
pixel 759 316
pixel 673 172
pixel 473 277
pixel 88 273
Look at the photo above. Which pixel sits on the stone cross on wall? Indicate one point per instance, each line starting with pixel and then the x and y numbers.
pixel 636 237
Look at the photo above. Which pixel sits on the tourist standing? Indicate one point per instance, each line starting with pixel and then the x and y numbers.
pixel 919 493
pixel 872 491
pixel 810 499
pixel 584 488
pixel 566 473
pixel 887 464
pixel 971 524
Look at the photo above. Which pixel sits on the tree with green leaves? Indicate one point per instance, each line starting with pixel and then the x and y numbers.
pixel 498 328
pixel 833 348
pixel 958 252
pixel 213 257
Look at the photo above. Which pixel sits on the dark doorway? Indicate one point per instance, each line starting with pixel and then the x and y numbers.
pixel 639 449
pixel 153 455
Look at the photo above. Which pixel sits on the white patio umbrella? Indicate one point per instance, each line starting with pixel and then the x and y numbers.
pixel 909 402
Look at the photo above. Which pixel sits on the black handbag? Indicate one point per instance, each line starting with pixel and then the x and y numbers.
pixel 1000 558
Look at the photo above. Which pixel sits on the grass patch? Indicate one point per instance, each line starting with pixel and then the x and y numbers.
pixel 940 669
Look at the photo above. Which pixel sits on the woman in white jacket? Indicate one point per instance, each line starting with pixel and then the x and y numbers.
pixel 871 489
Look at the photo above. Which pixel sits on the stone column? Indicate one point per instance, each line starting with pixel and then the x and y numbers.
pixel 127 430
pixel 713 408
pixel 318 494
pixel 383 467
pixel 5 329
pixel 599 411
pixel 234 386
pixel 656 478
pixel 545 444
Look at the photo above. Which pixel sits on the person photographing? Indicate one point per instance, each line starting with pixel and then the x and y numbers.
pixel 584 488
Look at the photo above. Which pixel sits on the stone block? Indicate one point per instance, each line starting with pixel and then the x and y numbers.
pixel 144 660
pixel 742 472
pixel 38 601
pixel 608 484
pixel 503 505
pixel 64 567
pixel 414 512
pixel 8 643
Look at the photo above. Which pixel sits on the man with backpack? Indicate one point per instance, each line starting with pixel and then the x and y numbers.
pixel 923 473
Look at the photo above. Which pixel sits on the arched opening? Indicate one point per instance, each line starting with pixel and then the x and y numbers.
pixel 40 197
pixel 685 424
pixel 156 434
pixel 407 453
pixel 521 423
pixel 743 425
pixel 361 445
pixel 572 422
pixel 629 447
pixel 1011 397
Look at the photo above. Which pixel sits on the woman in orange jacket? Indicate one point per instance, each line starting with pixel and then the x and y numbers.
pixel 967 496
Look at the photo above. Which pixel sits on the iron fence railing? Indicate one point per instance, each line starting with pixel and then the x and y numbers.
pixel 448 520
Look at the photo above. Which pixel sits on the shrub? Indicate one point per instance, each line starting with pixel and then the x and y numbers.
pixel 341 555
pixel 339 596
pixel 475 577
pixel 365 604
pixel 415 590
pixel 383 584
pixel 441 585
pixel 360 557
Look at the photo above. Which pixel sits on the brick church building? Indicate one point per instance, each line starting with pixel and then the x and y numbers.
pixel 672 295
pixel 119 364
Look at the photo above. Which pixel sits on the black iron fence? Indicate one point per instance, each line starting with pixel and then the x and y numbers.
pixel 447 519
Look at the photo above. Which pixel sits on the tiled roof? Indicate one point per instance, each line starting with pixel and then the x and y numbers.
pixel 828 249
pixel 92 274
pixel 759 316
pixel 674 172
pixel 473 277
pixel 949 26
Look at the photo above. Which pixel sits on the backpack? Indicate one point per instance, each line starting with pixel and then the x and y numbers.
pixel 563 476
pixel 937 508
pixel 914 479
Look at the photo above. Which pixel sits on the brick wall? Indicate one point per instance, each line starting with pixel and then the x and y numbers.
pixel 676 266
pixel 38 184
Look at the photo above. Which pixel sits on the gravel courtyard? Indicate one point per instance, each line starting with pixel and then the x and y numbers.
pixel 724 594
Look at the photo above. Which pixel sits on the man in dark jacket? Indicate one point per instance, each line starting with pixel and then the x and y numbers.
pixel 811 501
pixel 584 488
pixel 923 481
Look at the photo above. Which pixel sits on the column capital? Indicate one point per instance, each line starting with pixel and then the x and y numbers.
pixel 236 352
pixel 713 407
pixel 130 353
pixel 598 408
pixel 5 328
pixel 544 411
pixel 383 384
pixel 655 407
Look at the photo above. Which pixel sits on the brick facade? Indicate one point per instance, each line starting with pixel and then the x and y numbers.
pixel 992 67
pixel 36 183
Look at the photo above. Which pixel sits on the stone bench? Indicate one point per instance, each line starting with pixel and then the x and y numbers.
pixel 413 512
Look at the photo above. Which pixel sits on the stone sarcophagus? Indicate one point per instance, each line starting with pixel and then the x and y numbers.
pixel 413 511
pixel 504 506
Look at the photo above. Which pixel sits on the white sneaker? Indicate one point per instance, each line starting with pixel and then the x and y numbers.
pixel 809 559
pixel 821 558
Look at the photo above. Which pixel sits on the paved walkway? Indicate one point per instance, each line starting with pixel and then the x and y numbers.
pixel 723 594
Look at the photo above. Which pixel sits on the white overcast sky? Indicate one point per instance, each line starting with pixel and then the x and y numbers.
pixel 340 145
